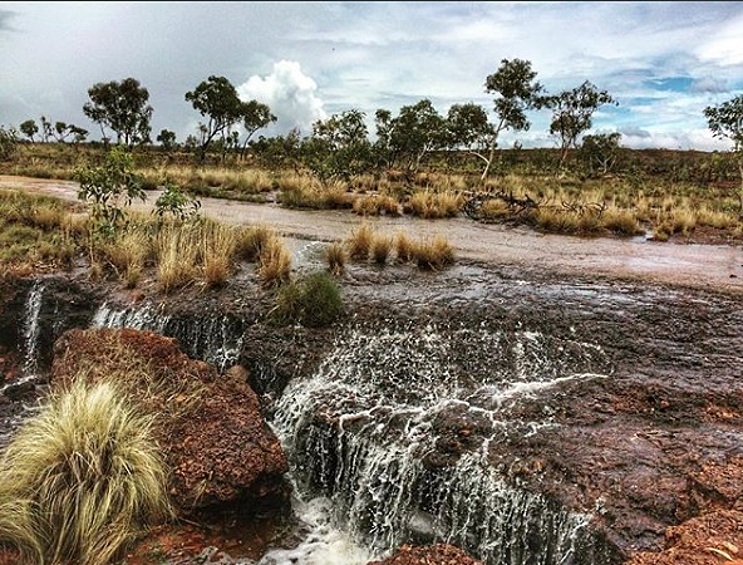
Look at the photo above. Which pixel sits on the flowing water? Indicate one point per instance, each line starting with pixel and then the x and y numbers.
pixel 362 433
pixel 216 339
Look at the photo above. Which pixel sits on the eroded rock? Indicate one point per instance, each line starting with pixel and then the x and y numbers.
pixel 210 428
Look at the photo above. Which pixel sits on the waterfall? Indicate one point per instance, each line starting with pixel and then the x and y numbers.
pixel 216 339
pixel 364 431
pixel 32 329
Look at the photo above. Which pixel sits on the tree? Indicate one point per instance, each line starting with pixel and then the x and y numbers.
pixel 726 122
pixel 339 146
pixel 516 92
pixel 417 130
pixel 468 129
pixel 166 138
pixel 215 99
pixel 600 152
pixel 8 142
pixel 29 129
pixel 121 107
pixel 255 116
pixel 46 129
pixel 572 113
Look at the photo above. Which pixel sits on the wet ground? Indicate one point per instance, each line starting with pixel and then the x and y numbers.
pixel 701 266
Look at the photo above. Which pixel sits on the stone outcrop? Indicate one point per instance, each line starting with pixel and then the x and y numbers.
pixel 210 428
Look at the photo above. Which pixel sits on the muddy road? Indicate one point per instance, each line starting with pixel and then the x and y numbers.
pixel 717 267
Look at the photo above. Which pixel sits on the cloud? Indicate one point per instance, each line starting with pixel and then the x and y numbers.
pixel 5 17
pixel 291 95
pixel 712 85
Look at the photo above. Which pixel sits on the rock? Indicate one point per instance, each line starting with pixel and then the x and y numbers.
pixel 19 391
pixel 211 430
pixel 439 554
pixel 711 539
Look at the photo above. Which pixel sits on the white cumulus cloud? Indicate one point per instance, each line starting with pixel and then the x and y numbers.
pixel 289 93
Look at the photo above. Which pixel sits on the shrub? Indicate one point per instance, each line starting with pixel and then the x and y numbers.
pixel 313 301
pixel 80 478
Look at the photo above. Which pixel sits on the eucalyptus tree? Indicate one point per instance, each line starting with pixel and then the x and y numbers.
pixel 725 120
pixel 339 146
pixel 216 99
pixel 29 129
pixel 405 139
pixel 600 152
pixel 516 92
pixel 572 113
pixel 469 129
pixel 122 107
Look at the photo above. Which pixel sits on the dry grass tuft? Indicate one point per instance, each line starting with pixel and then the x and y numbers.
pixel 360 242
pixel 336 256
pixel 433 254
pixel 274 263
pixel 380 248
pixel 80 478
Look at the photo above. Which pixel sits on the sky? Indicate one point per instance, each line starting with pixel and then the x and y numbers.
pixel 663 62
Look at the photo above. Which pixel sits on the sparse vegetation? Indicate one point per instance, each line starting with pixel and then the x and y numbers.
pixel 433 254
pixel 360 242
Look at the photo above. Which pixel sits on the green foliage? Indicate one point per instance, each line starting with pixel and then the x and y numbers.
pixel 404 140
pixel 166 138
pixel 8 143
pixel 726 121
pixel 515 92
pixel 109 189
pixel 80 478
pixel 176 204
pixel 29 129
pixel 313 301
pixel 122 107
pixel 599 153
pixel 338 148
pixel 217 100
pixel 572 112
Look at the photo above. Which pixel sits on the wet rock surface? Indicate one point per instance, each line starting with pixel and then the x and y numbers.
pixel 645 437
pixel 439 554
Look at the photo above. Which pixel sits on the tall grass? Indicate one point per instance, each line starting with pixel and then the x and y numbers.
pixel 274 263
pixel 335 254
pixel 177 255
pixel 360 242
pixel 80 478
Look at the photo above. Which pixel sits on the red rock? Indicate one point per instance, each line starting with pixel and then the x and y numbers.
pixel 212 433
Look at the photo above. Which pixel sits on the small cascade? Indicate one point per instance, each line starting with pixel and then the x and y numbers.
pixel 32 329
pixel 364 432
pixel 216 339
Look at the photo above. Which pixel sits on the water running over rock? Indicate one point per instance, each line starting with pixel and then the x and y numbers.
pixel 215 338
pixel 366 431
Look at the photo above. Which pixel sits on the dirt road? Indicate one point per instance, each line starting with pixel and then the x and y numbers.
pixel 702 266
